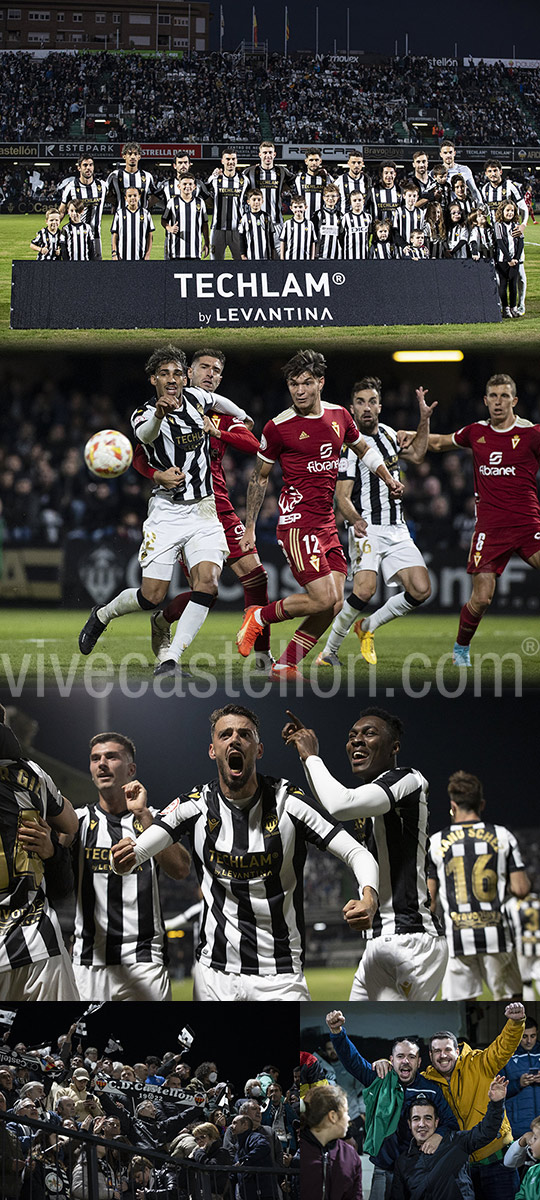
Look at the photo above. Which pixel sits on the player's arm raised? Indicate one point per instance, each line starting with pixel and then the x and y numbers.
pixel 341 802
pixel 254 502
pixel 417 449
pixel 174 859
pixel 374 461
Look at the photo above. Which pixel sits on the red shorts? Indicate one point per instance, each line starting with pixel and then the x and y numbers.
pixel 234 532
pixel 491 550
pixel 311 555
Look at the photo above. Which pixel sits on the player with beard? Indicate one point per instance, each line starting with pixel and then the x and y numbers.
pixel 93 191
pixel 248 835
pixel 407 954
pixel 119 946
pixel 407 1087
pixel 386 544
pixel 306 439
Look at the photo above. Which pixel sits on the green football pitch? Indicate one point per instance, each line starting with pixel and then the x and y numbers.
pixel 16 233
pixel 413 654
pixel 331 984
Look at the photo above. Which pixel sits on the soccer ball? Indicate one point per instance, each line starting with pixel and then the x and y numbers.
pixel 108 454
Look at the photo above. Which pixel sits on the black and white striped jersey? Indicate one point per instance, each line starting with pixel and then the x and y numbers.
pixel 346 184
pixel 93 194
pixel 257 233
pixel 298 238
pixel 29 929
pixel 171 187
pixel 182 442
pixel 190 216
pixel 225 192
pixel 472 862
pixel 118 917
pixel 506 190
pixel 524 918
pixel 273 184
pixel 249 863
pixel 76 242
pixel 369 495
pixel 327 223
pixel 383 250
pixel 133 230
pixel 509 246
pixel 399 841
pixel 482 241
pixel 355 234
pixel 311 187
pixel 120 180
pixel 385 203
pixel 51 240
pixel 407 220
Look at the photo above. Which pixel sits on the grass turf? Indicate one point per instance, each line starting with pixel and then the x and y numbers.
pixel 17 232
pixel 331 984
pixel 414 653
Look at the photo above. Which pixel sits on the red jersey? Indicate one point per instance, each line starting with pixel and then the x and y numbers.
pixel 233 433
pixel 308 449
pixel 505 467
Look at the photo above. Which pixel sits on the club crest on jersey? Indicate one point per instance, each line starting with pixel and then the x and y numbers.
pixel 360 829
pixel 137 825
pixel 271 823
pixel 515 440
pixel 335 427
pixel 315 561
pixel 213 824
pixel 477 559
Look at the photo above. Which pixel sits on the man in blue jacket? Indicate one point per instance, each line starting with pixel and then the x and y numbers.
pixel 253 1151
pixel 523 1073
pixel 405 1061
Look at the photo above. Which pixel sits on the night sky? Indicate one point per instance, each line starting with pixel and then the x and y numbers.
pixel 489 31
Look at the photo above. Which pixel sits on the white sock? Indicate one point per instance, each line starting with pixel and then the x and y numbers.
pixel 125 602
pixel 341 625
pixel 398 606
pixel 191 620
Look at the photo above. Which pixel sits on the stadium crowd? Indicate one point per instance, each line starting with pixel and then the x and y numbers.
pixel 222 97
pixel 158 1127
pixel 47 497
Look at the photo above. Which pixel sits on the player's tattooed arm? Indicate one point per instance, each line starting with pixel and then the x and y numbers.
pixel 416 450
pixel 254 502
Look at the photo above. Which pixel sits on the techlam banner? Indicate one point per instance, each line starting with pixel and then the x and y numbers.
pixel 189 294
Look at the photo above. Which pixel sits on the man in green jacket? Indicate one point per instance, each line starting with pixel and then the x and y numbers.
pixel 464 1076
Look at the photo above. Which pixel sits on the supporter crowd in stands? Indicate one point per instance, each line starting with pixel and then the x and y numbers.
pixel 158 1126
pixel 224 98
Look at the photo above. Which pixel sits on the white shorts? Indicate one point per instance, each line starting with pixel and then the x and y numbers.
pixel 466 975
pixel 402 966
pixel 209 984
pixel 192 531
pixel 130 981
pixel 50 979
pixel 389 548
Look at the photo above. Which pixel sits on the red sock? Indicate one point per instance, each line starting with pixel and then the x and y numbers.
pixel 468 624
pixel 298 647
pixel 271 613
pixel 174 610
pixel 255 587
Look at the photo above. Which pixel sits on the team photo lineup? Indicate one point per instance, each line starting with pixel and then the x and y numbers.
pixel 269 632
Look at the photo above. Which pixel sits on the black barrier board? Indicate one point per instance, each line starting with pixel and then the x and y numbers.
pixel 184 294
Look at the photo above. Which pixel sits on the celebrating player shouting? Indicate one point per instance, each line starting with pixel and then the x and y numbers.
pixel 306 439
pixel 249 836
pixel 407 957
pixel 506 453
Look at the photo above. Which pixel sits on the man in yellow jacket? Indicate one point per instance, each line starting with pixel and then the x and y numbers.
pixel 464 1076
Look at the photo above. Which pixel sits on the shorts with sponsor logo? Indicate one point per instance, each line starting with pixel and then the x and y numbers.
pixel 210 984
pixel 311 555
pixel 234 531
pixel 190 531
pixel 491 549
pixel 388 548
